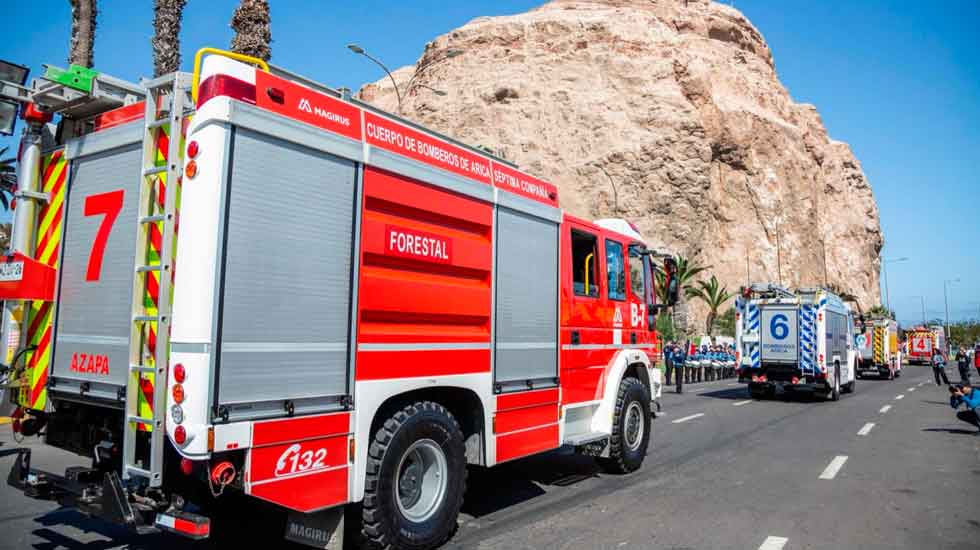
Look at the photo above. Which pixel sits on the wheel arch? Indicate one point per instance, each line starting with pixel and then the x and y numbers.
pixel 463 403
pixel 625 363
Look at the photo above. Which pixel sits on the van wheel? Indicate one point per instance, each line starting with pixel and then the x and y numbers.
pixel 631 428
pixel 416 477
pixel 835 392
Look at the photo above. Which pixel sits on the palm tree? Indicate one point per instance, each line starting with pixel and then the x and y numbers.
pixel 252 31
pixel 714 295
pixel 83 19
pixel 8 179
pixel 166 35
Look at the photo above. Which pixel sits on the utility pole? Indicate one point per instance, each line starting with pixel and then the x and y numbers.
pixel 823 243
pixel 884 269
pixel 946 300
pixel 779 261
pixel 748 276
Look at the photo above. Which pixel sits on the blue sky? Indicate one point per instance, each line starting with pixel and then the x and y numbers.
pixel 899 81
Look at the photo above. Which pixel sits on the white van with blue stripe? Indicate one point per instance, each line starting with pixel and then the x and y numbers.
pixel 796 341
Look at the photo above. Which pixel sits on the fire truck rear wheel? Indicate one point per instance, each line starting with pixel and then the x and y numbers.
pixel 631 428
pixel 416 477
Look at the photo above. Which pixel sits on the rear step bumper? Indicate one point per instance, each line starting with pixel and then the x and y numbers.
pixel 106 499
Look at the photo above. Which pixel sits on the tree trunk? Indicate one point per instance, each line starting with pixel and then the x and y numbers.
pixel 680 315
pixel 83 19
pixel 166 35
pixel 710 323
pixel 251 22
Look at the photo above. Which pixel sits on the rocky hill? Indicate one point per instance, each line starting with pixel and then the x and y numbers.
pixel 669 113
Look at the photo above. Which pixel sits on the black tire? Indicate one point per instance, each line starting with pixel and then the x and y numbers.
pixel 626 451
pixel 757 392
pixel 835 391
pixel 385 524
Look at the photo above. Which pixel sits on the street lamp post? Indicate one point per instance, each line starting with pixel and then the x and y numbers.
pixel 922 299
pixel 360 51
pixel 884 268
pixel 946 300
pixel 398 93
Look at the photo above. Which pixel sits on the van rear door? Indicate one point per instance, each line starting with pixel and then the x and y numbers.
pixel 779 334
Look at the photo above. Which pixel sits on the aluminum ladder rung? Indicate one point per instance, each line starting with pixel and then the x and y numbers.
pixel 154 171
pixel 147 268
pixel 153 219
pixel 130 469
pixel 140 420
pixel 157 123
pixel 144 318
pixel 142 369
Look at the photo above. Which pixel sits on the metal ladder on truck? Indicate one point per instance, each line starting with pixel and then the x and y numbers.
pixel 168 103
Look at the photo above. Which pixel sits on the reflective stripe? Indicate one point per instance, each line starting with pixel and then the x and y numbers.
pixel 93 339
pixel 526 345
pixel 424 346
pixel 604 346
pixel 189 347
pixel 282 347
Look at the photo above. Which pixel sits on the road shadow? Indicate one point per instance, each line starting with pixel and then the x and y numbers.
pixel 930 402
pixel 727 393
pixel 492 489
pixel 10 451
pixel 950 430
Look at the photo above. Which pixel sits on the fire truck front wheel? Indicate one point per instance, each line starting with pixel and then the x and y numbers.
pixel 631 428
pixel 416 477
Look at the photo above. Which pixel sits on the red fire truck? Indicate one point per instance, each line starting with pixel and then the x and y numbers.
pixel 243 281
pixel 922 341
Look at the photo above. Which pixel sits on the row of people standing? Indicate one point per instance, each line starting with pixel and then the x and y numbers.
pixel 689 364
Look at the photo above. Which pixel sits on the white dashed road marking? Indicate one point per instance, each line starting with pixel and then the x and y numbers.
pixel 740 403
pixel 686 418
pixel 912 388
pixel 900 396
pixel 884 409
pixel 774 543
pixel 866 429
pixel 830 472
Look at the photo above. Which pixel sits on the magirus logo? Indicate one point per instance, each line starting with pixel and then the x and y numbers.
pixel 305 105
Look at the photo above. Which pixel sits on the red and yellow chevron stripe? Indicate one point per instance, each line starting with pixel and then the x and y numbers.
pixel 54 172
pixel 151 286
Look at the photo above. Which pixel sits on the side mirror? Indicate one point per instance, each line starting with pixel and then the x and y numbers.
pixel 670 278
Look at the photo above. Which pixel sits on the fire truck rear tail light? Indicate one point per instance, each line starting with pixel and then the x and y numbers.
pixel 180 373
pixel 351 447
pixel 191 169
pixel 211 439
pixel 193 149
pixel 184 523
pixel 178 393
pixel 177 414
pixel 224 85
pixel 180 435
pixel 186 466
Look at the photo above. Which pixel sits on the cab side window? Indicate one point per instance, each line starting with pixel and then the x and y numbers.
pixel 615 271
pixel 637 272
pixel 585 261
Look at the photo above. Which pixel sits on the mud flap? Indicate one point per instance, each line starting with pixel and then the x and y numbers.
pixel 323 529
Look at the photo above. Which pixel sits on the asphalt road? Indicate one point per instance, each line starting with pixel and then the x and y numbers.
pixel 723 472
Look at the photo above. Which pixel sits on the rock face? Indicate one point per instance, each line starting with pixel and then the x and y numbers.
pixel 668 113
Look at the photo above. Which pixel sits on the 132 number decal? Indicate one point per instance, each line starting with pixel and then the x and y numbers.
pixel 294 460
pixel 108 205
